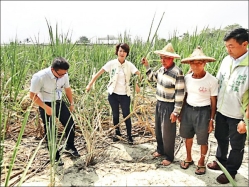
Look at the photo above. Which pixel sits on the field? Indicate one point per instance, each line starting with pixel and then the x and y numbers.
pixel 23 154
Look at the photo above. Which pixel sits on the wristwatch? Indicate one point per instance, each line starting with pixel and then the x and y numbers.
pixel 175 114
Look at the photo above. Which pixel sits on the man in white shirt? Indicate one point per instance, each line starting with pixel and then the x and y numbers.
pixel 46 91
pixel 197 114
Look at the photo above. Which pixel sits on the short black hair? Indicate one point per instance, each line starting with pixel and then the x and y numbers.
pixel 124 46
pixel 239 34
pixel 60 63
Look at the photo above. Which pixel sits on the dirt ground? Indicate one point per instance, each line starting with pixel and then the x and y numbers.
pixel 121 164
pixel 114 164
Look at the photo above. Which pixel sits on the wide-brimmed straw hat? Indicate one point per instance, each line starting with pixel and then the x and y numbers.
pixel 197 55
pixel 168 50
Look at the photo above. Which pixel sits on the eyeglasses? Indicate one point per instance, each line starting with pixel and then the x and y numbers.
pixel 60 74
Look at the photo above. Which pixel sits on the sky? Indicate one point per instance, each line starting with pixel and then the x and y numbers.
pixel 96 19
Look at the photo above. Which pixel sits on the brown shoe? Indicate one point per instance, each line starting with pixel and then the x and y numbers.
pixel 222 179
pixel 214 166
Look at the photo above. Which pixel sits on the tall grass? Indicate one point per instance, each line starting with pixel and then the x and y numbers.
pixel 19 62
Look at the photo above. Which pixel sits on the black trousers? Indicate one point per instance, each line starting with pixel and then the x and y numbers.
pixel 124 101
pixel 63 114
pixel 225 132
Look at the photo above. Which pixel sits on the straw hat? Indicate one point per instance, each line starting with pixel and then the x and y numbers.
pixel 197 55
pixel 168 50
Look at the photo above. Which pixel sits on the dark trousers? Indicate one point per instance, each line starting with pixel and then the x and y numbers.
pixel 225 131
pixel 195 121
pixel 124 101
pixel 165 130
pixel 63 114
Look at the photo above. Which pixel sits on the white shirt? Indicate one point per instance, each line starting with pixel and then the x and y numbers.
pixel 200 90
pixel 48 87
pixel 119 80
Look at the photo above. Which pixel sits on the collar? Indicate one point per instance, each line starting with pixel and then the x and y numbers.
pixel 240 59
pixel 119 64
pixel 170 68
pixel 50 73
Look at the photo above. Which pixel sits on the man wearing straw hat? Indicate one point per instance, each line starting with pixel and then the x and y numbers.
pixel 197 114
pixel 232 105
pixel 170 95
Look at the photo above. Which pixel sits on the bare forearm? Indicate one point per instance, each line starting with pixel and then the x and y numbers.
pixel 213 106
pixel 92 81
pixel 95 77
pixel 37 100
pixel 69 95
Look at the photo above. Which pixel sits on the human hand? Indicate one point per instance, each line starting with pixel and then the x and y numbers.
pixel 88 87
pixel 241 128
pixel 211 126
pixel 144 61
pixel 137 88
pixel 173 117
pixel 71 108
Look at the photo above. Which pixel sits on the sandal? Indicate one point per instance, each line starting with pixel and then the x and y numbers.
pixel 197 172
pixel 186 162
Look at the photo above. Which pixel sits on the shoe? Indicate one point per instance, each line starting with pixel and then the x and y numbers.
pixel 214 166
pixel 197 172
pixel 115 139
pixel 59 162
pixel 73 151
pixel 222 179
pixel 117 132
pixel 130 140
pixel 186 162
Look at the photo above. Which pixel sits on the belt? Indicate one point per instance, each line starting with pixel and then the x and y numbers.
pixel 57 101
pixel 198 107
pixel 166 102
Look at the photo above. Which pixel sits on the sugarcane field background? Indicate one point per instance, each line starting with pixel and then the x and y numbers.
pixel 25 160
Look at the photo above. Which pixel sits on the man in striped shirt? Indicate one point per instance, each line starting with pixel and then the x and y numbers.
pixel 170 95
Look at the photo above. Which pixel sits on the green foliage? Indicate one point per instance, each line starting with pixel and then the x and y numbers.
pixel 83 39
pixel 229 177
pixel 20 61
